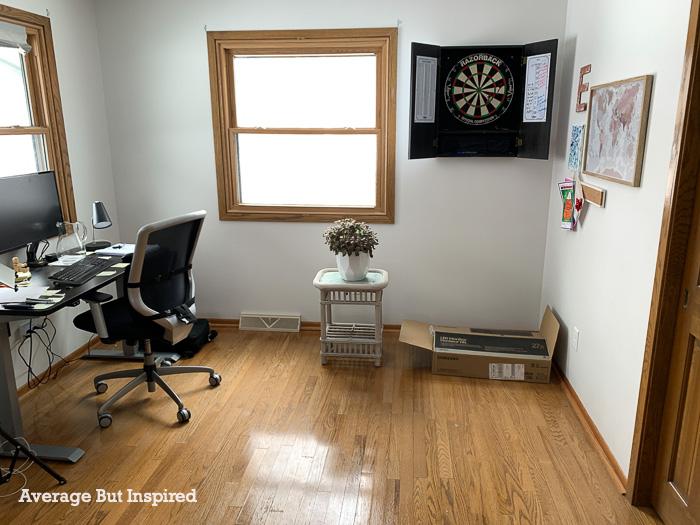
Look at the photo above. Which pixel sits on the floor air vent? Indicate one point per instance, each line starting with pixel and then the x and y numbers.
pixel 269 322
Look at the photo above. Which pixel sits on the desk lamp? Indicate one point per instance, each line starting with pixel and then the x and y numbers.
pixel 100 221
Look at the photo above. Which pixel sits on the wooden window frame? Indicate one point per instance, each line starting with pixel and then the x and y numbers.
pixel 223 45
pixel 45 99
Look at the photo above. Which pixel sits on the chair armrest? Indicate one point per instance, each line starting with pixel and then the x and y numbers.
pixel 96 297
pixel 95 300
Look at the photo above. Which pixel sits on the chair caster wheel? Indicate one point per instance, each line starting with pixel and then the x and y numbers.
pixel 183 415
pixel 101 387
pixel 105 420
pixel 215 379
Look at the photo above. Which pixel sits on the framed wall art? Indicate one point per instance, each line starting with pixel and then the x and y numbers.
pixel 617 124
pixel 576 147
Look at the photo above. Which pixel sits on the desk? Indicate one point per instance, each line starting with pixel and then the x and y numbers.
pixel 10 415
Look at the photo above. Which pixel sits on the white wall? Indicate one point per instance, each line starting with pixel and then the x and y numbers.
pixel 599 279
pixel 80 79
pixel 468 242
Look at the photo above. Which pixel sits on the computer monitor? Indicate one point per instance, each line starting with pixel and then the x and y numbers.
pixel 30 210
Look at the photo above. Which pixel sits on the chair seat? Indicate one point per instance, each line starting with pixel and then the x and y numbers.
pixel 122 322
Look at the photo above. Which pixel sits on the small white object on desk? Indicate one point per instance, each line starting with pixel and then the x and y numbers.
pixel 67 260
pixel 9 295
pixel 42 306
pixel 7 276
pixel 40 297
pixel 119 249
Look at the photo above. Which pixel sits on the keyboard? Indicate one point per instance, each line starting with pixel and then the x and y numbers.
pixel 82 271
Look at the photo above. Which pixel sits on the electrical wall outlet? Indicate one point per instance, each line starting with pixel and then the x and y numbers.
pixel 573 339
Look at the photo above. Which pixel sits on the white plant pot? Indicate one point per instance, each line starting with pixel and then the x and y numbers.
pixel 353 267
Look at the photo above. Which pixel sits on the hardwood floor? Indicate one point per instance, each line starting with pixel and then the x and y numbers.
pixel 284 440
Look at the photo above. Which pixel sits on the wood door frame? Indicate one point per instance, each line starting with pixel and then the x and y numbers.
pixel 668 280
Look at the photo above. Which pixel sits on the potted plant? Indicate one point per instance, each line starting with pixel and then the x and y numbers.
pixel 353 243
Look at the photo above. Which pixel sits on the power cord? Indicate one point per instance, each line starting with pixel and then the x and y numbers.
pixel 49 346
pixel 6 473
pixel 88 345
pixel 31 457
pixel 27 360
pixel 44 249
pixel 44 333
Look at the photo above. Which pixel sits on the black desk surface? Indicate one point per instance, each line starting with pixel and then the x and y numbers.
pixel 40 277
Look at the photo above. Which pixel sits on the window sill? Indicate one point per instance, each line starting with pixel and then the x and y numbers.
pixel 300 214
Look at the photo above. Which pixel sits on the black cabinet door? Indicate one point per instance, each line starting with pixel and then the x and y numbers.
pixel 425 64
pixel 536 120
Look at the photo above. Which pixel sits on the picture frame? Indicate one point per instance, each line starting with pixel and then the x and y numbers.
pixel 576 140
pixel 616 128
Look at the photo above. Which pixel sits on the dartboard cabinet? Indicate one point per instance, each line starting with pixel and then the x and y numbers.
pixel 482 101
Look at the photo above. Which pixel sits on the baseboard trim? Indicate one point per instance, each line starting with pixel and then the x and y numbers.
pixel 306 326
pixel 593 433
pixel 223 323
pixel 56 368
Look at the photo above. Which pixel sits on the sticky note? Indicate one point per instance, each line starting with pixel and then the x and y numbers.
pixel 120 265
pixel 55 299
pixel 106 273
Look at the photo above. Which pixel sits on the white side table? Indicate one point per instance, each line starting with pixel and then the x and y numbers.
pixel 351 340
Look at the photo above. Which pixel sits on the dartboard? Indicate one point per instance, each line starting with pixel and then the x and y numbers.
pixel 479 89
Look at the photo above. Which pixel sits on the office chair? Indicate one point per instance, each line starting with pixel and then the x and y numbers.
pixel 159 302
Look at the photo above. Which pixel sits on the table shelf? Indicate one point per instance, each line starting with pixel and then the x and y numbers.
pixel 351 340
pixel 351 332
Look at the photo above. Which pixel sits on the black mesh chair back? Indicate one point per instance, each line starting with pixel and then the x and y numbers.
pixel 161 270
pixel 165 274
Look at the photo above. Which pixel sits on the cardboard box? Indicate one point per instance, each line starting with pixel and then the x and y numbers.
pixel 489 354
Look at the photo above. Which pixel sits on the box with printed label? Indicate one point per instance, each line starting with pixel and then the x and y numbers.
pixel 510 355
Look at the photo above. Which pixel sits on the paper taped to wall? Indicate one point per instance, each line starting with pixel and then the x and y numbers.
pixel 426 81
pixel 536 88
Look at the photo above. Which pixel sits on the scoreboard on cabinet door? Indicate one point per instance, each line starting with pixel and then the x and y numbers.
pixel 482 101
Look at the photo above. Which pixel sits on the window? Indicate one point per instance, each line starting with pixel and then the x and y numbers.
pixel 32 134
pixel 304 123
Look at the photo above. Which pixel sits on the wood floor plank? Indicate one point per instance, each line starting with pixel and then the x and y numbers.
pixel 285 440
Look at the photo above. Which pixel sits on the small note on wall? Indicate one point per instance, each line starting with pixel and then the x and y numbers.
pixel 536 88
pixel 424 103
